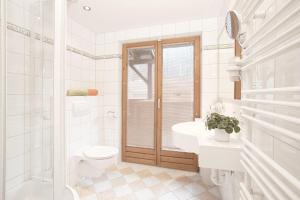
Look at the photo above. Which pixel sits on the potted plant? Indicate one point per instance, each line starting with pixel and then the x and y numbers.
pixel 223 125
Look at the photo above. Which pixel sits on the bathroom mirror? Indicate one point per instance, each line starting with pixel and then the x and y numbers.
pixel 232 24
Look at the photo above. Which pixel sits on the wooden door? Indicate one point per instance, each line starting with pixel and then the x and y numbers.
pixel 160 87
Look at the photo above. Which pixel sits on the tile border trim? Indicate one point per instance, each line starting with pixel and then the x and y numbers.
pixel 37 36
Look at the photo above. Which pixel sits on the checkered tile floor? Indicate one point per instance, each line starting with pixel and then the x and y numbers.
pixel 141 182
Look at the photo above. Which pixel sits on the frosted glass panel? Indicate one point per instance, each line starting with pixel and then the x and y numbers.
pixel 140 102
pixel 29 131
pixel 177 89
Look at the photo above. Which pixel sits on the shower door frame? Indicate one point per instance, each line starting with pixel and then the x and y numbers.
pixel 3 19
pixel 59 182
pixel 158 156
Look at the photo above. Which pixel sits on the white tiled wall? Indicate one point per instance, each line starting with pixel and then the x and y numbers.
pixel 225 85
pixel 80 70
pixel 80 73
pixel 109 71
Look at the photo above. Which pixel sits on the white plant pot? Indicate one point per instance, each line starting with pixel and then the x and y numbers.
pixel 221 135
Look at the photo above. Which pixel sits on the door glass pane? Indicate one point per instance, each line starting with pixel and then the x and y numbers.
pixel 140 102
pixel 177 89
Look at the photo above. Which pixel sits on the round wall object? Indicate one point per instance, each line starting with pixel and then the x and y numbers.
pixel 233 24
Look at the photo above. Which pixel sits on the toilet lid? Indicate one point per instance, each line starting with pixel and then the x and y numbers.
pixel 100 152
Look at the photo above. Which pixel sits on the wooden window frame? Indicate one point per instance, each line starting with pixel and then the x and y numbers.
pixel 157 156
pixel 237 84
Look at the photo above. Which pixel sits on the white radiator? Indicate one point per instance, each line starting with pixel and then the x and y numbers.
pixel 271 100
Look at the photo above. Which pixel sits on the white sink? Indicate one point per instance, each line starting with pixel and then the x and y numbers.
pixel 193 137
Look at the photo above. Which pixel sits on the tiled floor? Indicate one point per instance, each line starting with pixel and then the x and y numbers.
pixel 142 182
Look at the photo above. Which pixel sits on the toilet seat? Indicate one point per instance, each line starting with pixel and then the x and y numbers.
pixel 100 152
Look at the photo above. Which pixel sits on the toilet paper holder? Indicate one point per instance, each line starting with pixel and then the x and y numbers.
pixel 111 114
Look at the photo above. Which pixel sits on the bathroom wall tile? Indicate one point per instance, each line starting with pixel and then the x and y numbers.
pixel 15 146
pixel 210 24
pixel 168 29
pixel 100 49
pixel 196 25
pixel 110 76
pixel 226 85
pixel 182 27
pixel 14 167
pixel 209 85
pixel 15 126
pixel 18 2
pixel 112 100
pixel 155 31
pixel 13 182
pixel 129 34
pixel 209 71
pixel 15 62
pixel 226 55
pixel 15 13
pixel 110 37
pixel 111 88
pixel 15 104
pixel 100 38
pixel 15 42
pixel 207 99
pixel 143 33
pixel 209 37
pixel 209 57
pixel 224 39
pixel 15 84
pixel 111 48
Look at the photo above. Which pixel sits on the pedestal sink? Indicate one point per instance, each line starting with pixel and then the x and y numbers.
pixel 193 137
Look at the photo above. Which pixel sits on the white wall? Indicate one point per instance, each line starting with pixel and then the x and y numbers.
pixel 80 73
pixel 109 70
pixel 225 60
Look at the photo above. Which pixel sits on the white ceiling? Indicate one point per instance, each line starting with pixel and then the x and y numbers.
pixel 114 15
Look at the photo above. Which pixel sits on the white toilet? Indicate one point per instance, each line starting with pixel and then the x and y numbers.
pixel 93 160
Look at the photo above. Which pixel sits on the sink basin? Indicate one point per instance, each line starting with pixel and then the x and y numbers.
pixel 193 137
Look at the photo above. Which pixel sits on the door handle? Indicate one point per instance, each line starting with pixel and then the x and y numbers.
pixel 158 103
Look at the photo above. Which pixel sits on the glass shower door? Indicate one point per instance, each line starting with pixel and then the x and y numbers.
pixel 29 113
pixel 39 95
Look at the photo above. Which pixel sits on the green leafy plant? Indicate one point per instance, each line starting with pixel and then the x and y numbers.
pixel 218 121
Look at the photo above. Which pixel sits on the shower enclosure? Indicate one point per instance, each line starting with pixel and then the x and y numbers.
pixel 28 158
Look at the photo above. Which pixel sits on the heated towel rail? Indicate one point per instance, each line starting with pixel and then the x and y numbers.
pixel 271 109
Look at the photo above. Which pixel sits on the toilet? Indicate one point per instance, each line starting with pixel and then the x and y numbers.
pixel 92 161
